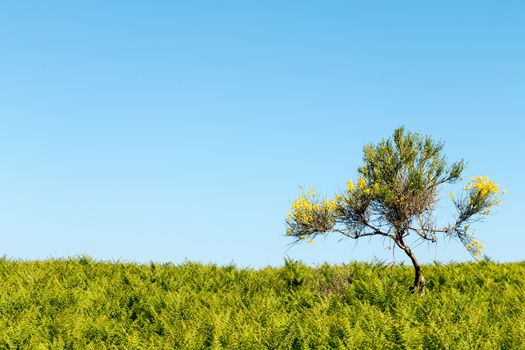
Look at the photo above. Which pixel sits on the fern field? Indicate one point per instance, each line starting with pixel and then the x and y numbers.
pixel 84 304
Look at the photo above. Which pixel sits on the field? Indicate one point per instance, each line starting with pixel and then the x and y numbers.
pixel 85 304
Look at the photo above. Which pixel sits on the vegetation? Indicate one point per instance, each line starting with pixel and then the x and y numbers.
pixel 395 197
pixel 85 304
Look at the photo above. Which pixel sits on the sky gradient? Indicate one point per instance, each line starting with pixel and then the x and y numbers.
pixel 182 130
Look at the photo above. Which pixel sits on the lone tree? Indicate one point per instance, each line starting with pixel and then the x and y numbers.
pixel 396 196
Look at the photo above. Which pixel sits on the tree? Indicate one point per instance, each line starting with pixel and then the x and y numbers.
pixel 395 197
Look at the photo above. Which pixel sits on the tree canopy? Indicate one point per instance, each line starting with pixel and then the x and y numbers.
pixel 396 195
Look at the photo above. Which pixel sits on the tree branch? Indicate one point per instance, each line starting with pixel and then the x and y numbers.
pixel 356 234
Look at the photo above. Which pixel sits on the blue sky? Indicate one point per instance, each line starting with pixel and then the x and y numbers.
pixel 174 130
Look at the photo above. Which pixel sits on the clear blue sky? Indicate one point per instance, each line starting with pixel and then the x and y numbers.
pixel 173 130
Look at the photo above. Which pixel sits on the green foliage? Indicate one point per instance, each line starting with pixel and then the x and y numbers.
pixel 406 171
pixel 85 304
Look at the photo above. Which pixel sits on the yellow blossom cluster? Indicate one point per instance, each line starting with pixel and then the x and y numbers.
pixel 339 199
pixel 475 248
pixel 350 186
pixel 361 187
pixel 329 205
pixel 483 190
pixel 482 185
pixel 302 210
pixel 307 210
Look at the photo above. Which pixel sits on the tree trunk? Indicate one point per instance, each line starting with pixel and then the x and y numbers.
pixel 419 280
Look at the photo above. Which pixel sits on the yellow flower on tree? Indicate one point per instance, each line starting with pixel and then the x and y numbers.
pixel 361 184
pixel 350 186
